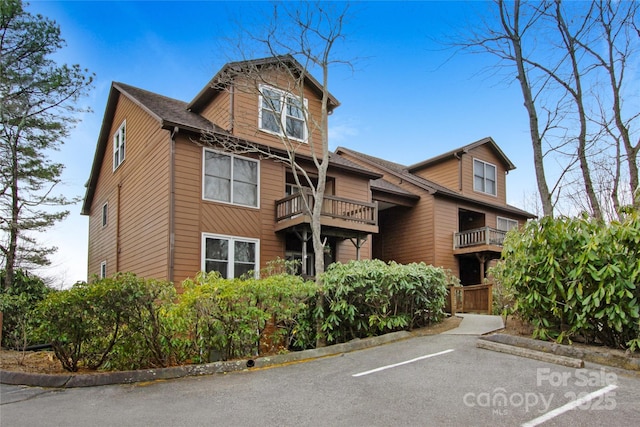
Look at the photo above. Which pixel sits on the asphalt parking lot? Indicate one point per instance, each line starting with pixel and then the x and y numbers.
pixel 436 380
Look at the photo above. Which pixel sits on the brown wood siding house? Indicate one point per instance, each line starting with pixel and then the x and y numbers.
pixel 448 211
pixel 163 202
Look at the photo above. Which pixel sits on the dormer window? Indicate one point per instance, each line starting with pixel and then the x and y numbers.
pixel 282 113
pixel 484 177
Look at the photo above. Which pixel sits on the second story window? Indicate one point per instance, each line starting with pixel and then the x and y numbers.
pixel 484 177
pixel 282 113
pixel 230 179
pixel 506 224
pixel 105 212
pixel 119 140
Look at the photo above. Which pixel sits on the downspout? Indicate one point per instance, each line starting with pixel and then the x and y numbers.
pixel 459 157
pixel 232 103
pixel 118 228
pixel 172 203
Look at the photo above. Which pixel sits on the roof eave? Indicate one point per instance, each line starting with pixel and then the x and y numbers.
pixel 98 156
pixel 210 90
pixel 464 150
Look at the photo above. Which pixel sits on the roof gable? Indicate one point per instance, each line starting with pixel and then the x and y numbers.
pixel 169 113
pixel 222 79
pixel 425 184
pixel 464 150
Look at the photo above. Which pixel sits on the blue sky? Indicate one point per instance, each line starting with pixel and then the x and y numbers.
pixel 407 100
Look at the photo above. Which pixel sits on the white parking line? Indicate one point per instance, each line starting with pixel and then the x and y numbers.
pixel 569 406
pixel 382 368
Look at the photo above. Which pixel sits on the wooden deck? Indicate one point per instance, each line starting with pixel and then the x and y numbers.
pixel 483 239
pixel 336 212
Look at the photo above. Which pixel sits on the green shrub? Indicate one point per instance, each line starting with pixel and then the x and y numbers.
pixel 152 335
pixel 112 323
pixel 370 297
pixel 577 277
pixel 228 317
pixel 17 304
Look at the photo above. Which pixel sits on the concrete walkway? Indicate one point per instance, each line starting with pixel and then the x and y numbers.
pixel 476 324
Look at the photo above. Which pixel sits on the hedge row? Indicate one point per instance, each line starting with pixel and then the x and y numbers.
pixel 126 322
pixel 370 297
pixel 577 278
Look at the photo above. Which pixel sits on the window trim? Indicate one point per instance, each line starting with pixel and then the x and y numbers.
pixel 105 214
pixel 119 145
pixel 473 172
pixel 282 114
pixel 231 262
pixel 504 218
pixel 232 156
pixel 103 270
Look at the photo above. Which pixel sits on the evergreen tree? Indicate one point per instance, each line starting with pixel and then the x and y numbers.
pixel 37 110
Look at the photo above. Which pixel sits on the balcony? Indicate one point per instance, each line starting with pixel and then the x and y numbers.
pixel 337 213
pixel 478 240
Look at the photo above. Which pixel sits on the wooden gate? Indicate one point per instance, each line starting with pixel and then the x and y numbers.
pixel 470 299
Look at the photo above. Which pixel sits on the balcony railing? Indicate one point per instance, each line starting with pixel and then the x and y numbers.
pixel 332 206
pixel 477 237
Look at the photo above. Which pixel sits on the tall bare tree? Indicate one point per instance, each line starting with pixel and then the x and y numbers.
pixel 614 48
pixel 300 39
pixel 505 38
pixel 37 109
pixel 565 56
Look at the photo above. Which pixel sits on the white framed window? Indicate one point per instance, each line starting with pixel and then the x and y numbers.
pixel 230 179
pixel 230 256
pixel 506 224
pixel 282 113
pixel 103 269
pixel 119 143
pixel 484 177
pixel 105 214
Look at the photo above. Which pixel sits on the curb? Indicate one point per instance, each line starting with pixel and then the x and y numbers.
pixel 531 354
pixel 529 347
pixel 144 375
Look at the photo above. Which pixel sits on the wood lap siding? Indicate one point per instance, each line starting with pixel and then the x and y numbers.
pixel 188 191
pixel 405 234
pixel 485 154
pixel 272 185
pixel 218 111
pixel 143 178
pixel 195 216
pixel 354 188
pixel 144 196
pixel 246 125
pixel 445 173
pixel 102 240
pixel 446 223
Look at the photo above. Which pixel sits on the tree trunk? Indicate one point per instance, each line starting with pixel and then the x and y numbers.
pixel 529 104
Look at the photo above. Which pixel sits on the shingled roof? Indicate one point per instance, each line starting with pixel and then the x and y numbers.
pixel 223 78
pixel 404 172
pixel 463 150
pixel 170 113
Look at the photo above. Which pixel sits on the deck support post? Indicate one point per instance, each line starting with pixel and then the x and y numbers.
pixel 304 238
pixel 358 243
pixel 482 258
